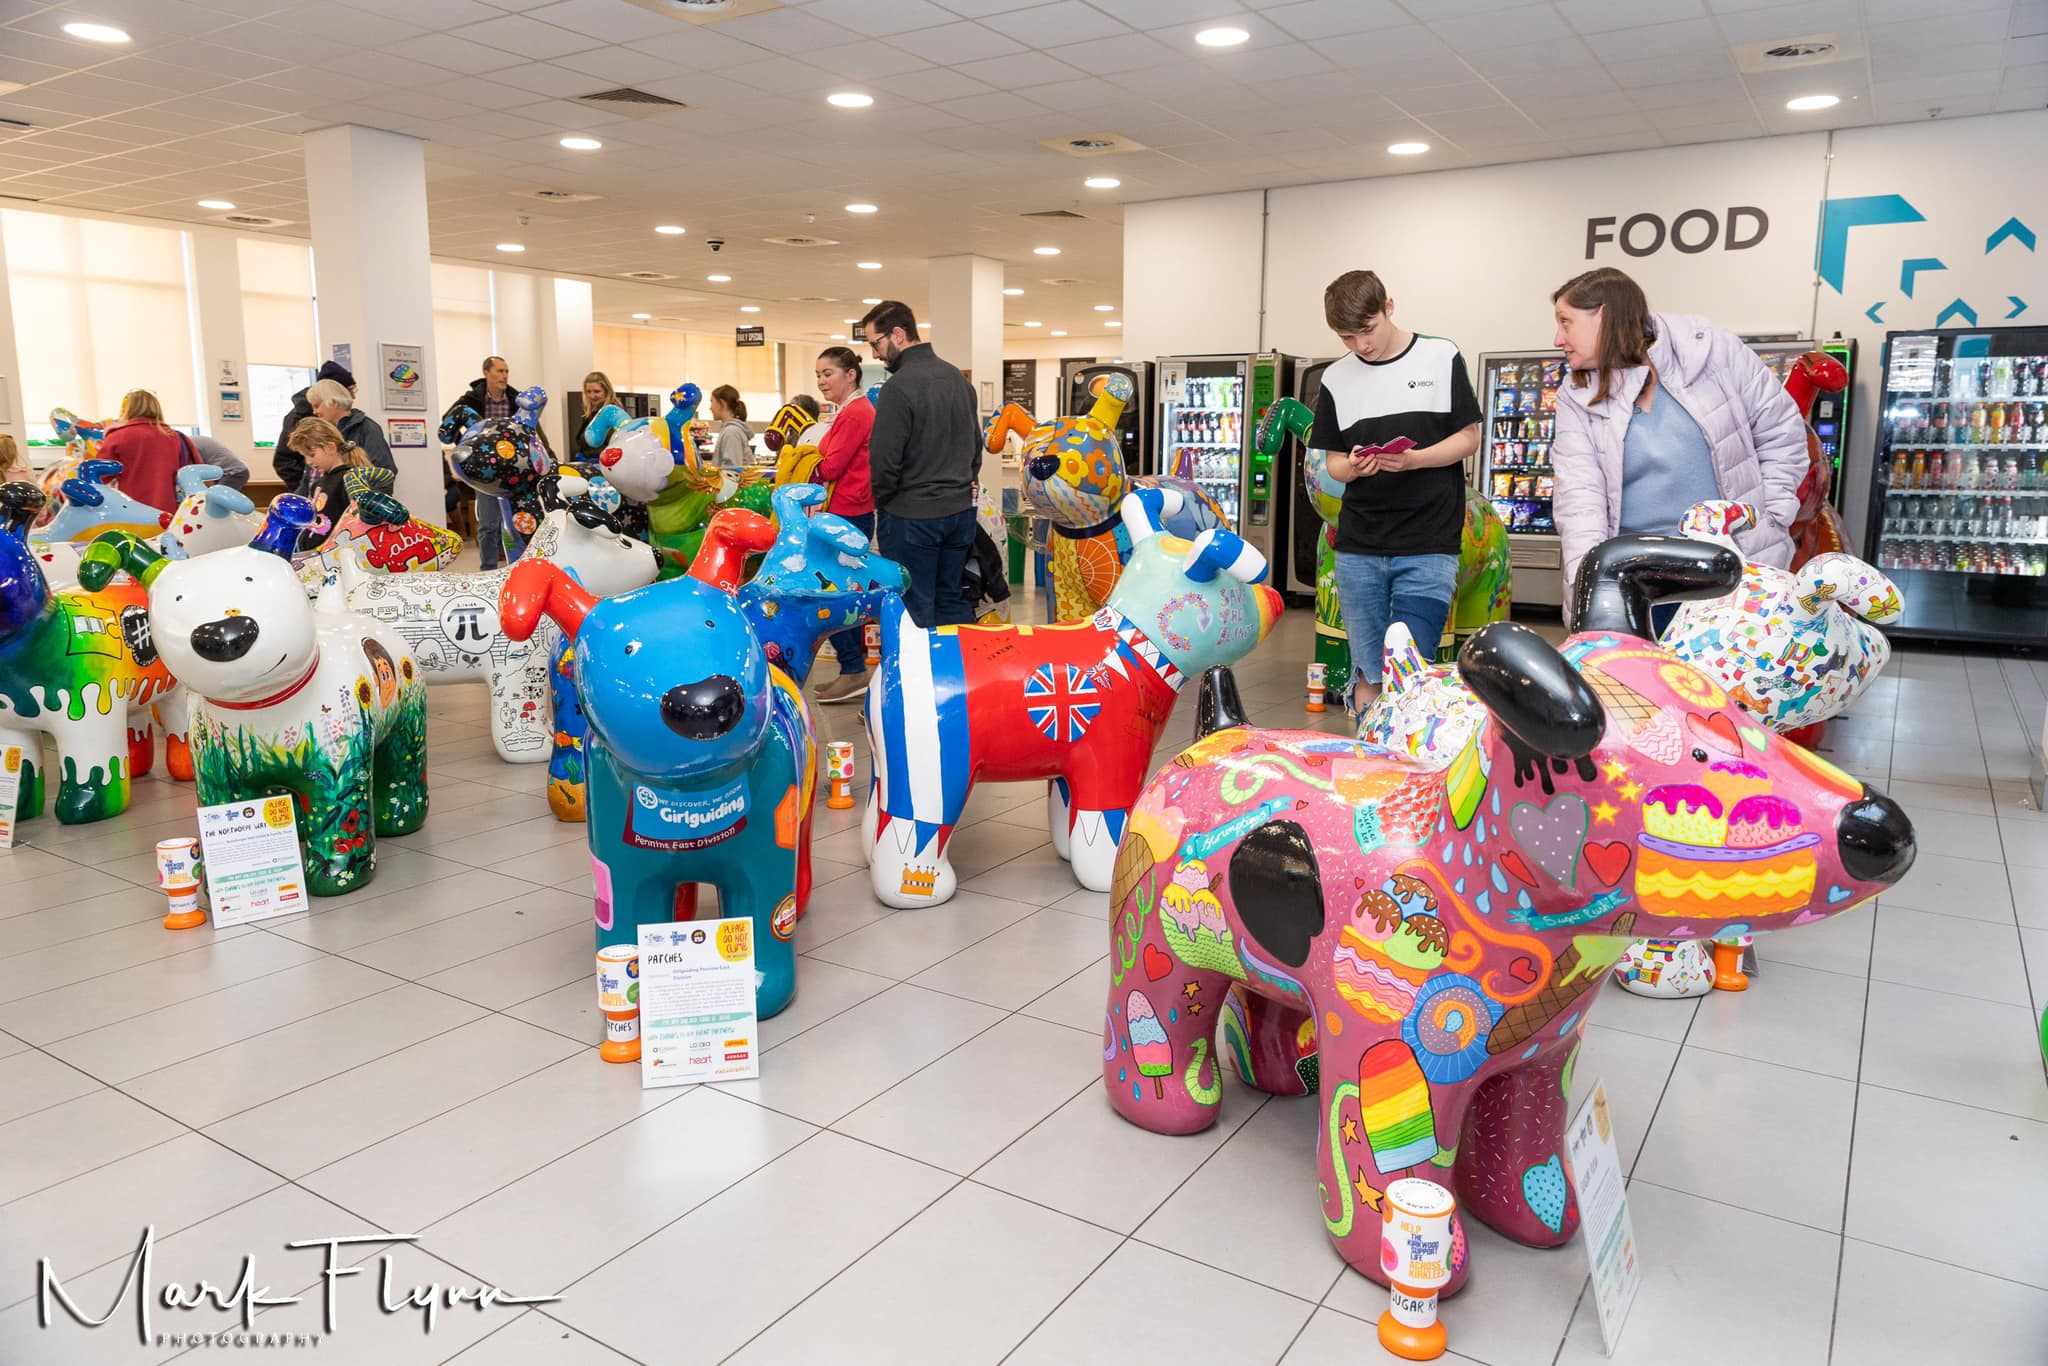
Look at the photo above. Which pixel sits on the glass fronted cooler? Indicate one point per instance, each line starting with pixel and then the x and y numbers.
pixel 1518 391
pixel 1959 492
pixel 1209 408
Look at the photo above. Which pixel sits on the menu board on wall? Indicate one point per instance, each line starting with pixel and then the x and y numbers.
pixel 1020 383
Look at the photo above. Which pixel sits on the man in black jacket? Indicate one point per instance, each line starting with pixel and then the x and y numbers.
pixel 288 463
pixel 923 457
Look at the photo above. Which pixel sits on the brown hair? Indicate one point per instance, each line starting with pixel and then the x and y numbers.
pixel 140 405
pixel 889 315
pixel 730 398
pixel 1353 300
pixel 1625 328
pixel 309 432
pixel 599 377
pixel 10 456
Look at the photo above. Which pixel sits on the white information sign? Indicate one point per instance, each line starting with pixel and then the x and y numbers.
pixel 10 792
pixel 1610 1238
pixel 250 853
pixel 697 988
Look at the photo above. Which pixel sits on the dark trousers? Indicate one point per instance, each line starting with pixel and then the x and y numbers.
pixel 933 552
pixel 850 645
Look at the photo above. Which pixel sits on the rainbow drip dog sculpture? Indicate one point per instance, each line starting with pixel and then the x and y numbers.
pixel 81 443
pixel 503 457
pixel 1080 704
pixel 450 618
pixel 701 760
pixel 92 505
pixel 78 666
pixel 209 516
pixel 1074 476
pixel 1484 577
pixel 1792 650
pixel 290 698
pixel 1443 934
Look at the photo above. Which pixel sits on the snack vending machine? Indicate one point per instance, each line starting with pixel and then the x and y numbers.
pixel 1959 488
pixel 1209 409
pixel 1830 416
pixel 1519 394
pixel 1077 396
pixel 1304 525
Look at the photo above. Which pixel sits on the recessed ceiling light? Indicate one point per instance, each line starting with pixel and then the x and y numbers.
pixel 216 204
pixel 1222 37
pixel 1112 323
pixel 1102 182
pixel 838 336
pixel 641 317
pixel 1408 149
pixel 1809 102
pixel 97 33
pixel 924 324
pixel 871 301
pixel 670 229
pixel 869 265
pixel 719 279
pixel 1105 308
pixel 1034 323
pixel 860 208
pixel 1045 251
pixel 1013 293
pixel 581 144
pixel 511 246
pixel 1058 333
pixel 849 99
pixel 849 321
pixel 750 308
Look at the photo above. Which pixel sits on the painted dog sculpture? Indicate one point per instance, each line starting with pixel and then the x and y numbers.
pixel 1440 936
pixel 78 666
pixel 1080 704
pixel 1074 476
pixel 93 505
pixel 290 698
pixel 378 531
pixel 701 760
pixel 209 515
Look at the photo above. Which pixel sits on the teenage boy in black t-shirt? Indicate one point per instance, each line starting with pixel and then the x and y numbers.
pixel 1404 509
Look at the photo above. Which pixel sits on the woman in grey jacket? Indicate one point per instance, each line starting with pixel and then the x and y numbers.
pixel 1663 411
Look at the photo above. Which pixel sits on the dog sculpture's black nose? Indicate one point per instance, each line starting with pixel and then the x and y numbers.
pixel 703 710
pixel 224 641
pixel 1875 837
pixel 1043 466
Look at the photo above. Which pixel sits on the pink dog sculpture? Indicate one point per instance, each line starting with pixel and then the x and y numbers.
pixel 1439 936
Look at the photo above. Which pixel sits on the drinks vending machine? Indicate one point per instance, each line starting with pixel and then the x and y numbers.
pixel 1518 392
pixel 1209 409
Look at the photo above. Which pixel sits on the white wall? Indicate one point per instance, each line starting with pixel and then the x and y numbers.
pixel 1049 352
pixel 1191 275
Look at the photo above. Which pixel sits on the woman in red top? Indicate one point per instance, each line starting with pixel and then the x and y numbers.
pixel 843 463
pixel 150 452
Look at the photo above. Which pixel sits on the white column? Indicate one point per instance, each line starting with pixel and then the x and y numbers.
pixel 966 314
pixel 568 351
pixel 367 195
pixel 12 419
pixel 223 347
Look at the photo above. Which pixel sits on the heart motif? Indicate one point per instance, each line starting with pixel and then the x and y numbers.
pixel 1551 835
pixel 1760 740
pixel 1715 729
pixel 1512 860
pixel 1547 1193
pixel 1837 895
pixel 1608 861
pixel 1157 964
pixel 1523 970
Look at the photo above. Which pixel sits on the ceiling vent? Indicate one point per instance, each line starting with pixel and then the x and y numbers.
pixel 557 196
pixel 634 104
pixel 644 275
pixel 7 122
pixel 252 220
pixel 809 299
pixel 801 241
pixel 706 11
pixel 1054 215
pixel 1064 280
pixel 1093 144
pixel 1788 54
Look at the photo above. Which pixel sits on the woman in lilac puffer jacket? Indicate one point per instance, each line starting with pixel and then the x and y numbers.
pixel 1664 410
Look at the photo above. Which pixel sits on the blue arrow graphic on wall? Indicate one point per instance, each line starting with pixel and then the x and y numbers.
pixel 2019 305
pixel 1958 309
pixel 1837 216
pixel 1871 312
pixel 2013 228
pixel 1908 270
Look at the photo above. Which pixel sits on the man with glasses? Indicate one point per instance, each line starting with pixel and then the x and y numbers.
pixel 924 456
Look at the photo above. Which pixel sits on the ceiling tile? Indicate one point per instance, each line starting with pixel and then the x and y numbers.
pixel 700 49
pixel 456 54
pixel 1935 61
pixel 940 83
pixel 605 67
pixel 879 21
pixel 953 44
pixel 1329 18
pixel 1793 19
pixel 1055 25
pixel 1899 11
pixel 1145 14
pixel 1106 56
pixel 781 30
pixel 1019 70
pixel 1600 16
pixel 1542 61
pixel 1678 94
pixel 606 19
pixel 1896 40
pixel 1439 99
pixel 1664 70
pixel 1507 28
pixel 988 108
pixel 435 14
pixel 867 61
pixel 1657 40
pixel 524 37
pixel 1284 61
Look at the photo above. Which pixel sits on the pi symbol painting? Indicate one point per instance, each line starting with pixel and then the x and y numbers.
pixel 470 623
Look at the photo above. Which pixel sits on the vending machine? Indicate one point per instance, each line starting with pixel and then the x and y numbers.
pixel 1830 416
pixel 1209 408
pixel 1959 489
pixel 1518 392
pixel 1077 396
pixel 1304 526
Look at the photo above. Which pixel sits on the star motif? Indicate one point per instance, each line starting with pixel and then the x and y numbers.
pixel 1367 1196
pixel 1631 791
pixel 1194 1007
pixel 1191 990
pixel 1351 1131
pixel 1615 770
pixel 1605 813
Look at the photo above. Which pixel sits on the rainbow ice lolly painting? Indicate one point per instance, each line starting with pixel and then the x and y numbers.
pixel 1149 1046
pixel 1393 1102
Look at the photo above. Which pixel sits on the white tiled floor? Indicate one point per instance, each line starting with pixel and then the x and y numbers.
pixel 926 1171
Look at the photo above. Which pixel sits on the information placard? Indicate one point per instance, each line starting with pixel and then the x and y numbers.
pixel 1609 1237
pixel 697 987
pixel 404 377
pixel 250 852
pixel 10 792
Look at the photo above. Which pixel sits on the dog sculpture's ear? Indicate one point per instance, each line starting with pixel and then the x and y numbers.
pixel 115 550
pixel 1622 576
pixel 1530 689
pixel 541 587
pixel 288 516
pixel 732 535
pixel 1217 706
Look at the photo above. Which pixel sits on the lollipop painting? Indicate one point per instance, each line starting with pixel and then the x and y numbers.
pixel 1149 1048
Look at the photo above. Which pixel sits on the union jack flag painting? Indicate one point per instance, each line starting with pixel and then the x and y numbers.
pixel 1057 693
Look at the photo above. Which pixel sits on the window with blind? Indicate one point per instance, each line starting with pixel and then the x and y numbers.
pixel 100 308
pixel 277 302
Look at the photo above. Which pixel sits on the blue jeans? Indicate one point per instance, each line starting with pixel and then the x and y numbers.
pixel 850 645
pixel 933 552
pixel 1377 590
